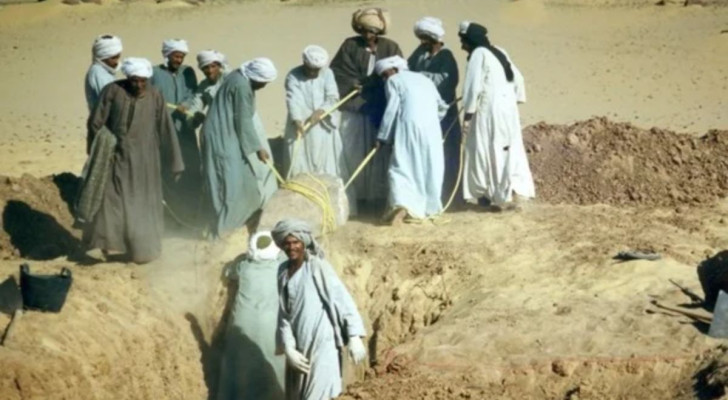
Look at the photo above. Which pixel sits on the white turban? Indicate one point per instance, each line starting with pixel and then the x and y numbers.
pixel 171 45
pixel 430 27
pixel 315 56
pixel 463 27
pixel 106 46
pixel 134 66
pixel 390 62
pixel 260 249
pixel 300 230
pixel 207 57
pixel 260 70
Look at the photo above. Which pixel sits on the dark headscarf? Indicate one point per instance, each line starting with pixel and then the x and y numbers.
pixel 477 36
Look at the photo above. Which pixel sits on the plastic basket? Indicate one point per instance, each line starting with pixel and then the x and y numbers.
pixel 44 292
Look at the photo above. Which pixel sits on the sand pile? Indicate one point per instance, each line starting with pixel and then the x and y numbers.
pixel 36 217
pixel 599 161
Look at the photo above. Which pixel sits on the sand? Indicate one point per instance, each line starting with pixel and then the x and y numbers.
pixel 526 304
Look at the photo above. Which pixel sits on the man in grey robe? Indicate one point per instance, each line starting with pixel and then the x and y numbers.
pixel 433 60
pixel 235 151
pixel 317 316
pixel 106 53
pixel 353 67
pixel 177 83
pixel 130 219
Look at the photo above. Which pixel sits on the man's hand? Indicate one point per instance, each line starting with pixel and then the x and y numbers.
pixel 263 155
pixel 176 176
pixel 316 116
pixel 467 124
pixel 181 109
pixel 297 361
pixel 357 351
pixel 378 144
pixel 299 129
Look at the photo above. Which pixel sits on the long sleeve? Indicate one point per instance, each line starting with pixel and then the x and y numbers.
pixel 244 110
pixel 190 79
pixel 349 317
pixel 195 103
pixel 474 81
pixel 284 332
pixel 331 90
pixel 520 84
pixel 168 137
pixel 344 68
pixel 295 102
pixel 98 117
pixel 386 129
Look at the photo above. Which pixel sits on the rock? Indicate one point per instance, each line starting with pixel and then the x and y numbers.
pixel 287 203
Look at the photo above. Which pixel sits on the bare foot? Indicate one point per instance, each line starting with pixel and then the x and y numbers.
pixel 398 217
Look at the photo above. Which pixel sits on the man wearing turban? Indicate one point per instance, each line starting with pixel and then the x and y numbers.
pixel 213 64
pixel 433 60
pixel 235 149
pixel 495 164
pixel 177 83
pixel 251 370
pixel 353 68
pixel 317 316
pixel 411 125
pixel 105 55
pixel 310 91
pixel 130 218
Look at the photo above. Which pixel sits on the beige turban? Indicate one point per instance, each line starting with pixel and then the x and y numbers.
pixel 370 18
pixel 430 27
pixel 207 57
pixel 315 56
pixel 389 63
pixel 106 46
pixel 133 66
pixel 169 46
pixel 259 70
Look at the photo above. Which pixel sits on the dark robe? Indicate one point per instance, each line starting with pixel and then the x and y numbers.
pixel 182 196
pixel 130 219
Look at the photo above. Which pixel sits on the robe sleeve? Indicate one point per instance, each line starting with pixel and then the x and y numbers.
pixel 195 103
pixel 243 112
pixel 284 332
pixel 414 59
pixel 331 90
pixel 386 129
pixel 168 137
pixel 349 316
pixel 294 99
pixel 98 117
pixel 520 84
pixel 190 83
pixel 474 81
pixel 447 75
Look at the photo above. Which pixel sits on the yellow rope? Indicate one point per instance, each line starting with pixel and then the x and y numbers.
pixel 318 195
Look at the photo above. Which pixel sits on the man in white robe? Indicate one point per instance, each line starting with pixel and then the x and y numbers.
pixel 496 165
pixel 411 124
pixel 106 52
pixel 317 316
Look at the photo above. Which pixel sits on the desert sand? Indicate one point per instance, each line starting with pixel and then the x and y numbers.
pixel 622 95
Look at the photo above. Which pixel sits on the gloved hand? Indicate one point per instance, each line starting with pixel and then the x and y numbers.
pixel 357 351
pixel 297 361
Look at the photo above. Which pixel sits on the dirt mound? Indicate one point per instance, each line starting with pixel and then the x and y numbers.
pixel 600 161
pixel 36 217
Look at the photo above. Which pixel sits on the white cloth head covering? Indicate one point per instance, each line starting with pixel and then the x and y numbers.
pixel 134 66
pixel 299 229
pixel 259 69
pixel 463 28
pixel 171 45
pixel 207 57
pixel 267 252
pixel 315 56
pixel 390 62
pixel 430 27
pixel 106 46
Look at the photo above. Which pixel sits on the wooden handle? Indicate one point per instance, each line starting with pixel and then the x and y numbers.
pixel 688 313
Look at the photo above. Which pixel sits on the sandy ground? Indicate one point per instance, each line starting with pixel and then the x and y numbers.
pixel 519 305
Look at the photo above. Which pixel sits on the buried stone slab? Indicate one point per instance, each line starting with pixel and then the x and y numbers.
pixel 310 198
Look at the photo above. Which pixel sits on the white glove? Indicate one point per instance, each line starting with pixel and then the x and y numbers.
pixel 357 351
pixel 297 361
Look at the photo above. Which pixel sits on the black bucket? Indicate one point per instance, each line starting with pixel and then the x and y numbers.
pixel 44 292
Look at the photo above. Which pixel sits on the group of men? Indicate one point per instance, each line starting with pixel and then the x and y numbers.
pixel 145 152
pixel 405 111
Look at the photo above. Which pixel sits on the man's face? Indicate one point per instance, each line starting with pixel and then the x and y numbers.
pixel 387 73
pixel 113 62
pixel 427 42
pixel 465 46
pixel 175 60
pixel 212 71
pixel 138 85
pixel 293 248
pixel 255 85
pixel 311 72
pixel 370 35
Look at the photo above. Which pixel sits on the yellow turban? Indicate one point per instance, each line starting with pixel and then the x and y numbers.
pixel 370 18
